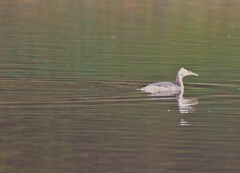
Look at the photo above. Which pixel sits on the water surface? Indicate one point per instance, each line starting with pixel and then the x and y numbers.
pixel 69 71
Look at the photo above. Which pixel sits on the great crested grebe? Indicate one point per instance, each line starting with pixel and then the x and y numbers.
pixel 169 88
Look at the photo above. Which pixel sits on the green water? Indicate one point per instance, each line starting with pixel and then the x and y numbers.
pixel 69 71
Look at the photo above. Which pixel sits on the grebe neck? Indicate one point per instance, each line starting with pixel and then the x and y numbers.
pixel 179 82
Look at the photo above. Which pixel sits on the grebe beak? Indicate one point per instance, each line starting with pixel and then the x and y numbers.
pixel 194 74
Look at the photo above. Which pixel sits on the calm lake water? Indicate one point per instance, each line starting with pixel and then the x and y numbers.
pixel 69 71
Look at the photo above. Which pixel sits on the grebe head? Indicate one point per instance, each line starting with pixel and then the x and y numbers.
pixel 185 72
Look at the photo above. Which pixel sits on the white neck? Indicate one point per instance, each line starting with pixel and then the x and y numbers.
pixel 179 82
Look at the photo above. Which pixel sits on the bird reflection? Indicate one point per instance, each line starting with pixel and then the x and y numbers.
pixel 185 105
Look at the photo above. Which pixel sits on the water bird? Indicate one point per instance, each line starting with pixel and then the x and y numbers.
pixel 169 88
